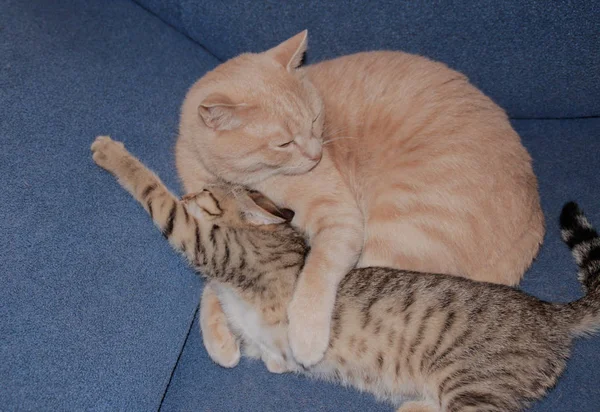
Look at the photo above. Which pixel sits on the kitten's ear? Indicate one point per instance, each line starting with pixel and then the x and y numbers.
pixel 267 204
pixel 290 53
pixel 218 112
pixel 255 214
pixel 203 202
pixel 261 217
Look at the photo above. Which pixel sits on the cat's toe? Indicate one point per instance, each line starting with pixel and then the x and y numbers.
pixel 106 152
pixel 100 142
pixel 99 158
pixel 275 366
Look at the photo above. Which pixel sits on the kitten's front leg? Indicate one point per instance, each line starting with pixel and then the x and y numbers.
pixel 220 342
pixel 334 252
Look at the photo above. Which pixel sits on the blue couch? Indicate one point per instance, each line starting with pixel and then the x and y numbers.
pixel 97 312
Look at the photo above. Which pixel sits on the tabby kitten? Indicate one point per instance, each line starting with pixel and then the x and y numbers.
pixel 454 344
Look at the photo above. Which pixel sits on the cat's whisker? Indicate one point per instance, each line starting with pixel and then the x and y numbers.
pixel 325 142
pixel 332 132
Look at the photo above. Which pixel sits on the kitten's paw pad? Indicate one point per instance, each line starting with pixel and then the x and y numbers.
pixel 222 346
pixel 105 151
pixel 308 333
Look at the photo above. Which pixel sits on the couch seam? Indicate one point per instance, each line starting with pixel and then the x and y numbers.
pixel 202 46
pixel 181 349
pixel 206 49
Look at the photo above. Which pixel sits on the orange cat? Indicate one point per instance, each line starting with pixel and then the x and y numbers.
pixel 388 159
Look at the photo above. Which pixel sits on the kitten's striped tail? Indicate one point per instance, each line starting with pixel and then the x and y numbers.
pixel 584 242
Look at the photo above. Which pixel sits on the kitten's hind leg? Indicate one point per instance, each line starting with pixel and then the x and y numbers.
pixel 220 343
pixel 417 406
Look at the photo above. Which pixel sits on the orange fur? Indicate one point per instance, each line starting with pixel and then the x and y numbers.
pixel 419 169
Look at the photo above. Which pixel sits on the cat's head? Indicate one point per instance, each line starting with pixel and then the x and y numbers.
pixel 256 115
pixel 235 207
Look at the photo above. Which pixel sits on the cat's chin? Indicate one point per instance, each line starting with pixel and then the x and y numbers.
pixel 300 170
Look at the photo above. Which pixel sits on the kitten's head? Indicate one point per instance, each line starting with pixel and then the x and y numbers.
pixel 256 115
pixel 235 207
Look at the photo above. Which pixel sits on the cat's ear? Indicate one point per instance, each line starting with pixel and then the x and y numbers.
pixel 218 112
pixel 258 213
pixel 202 202
pixel 291 52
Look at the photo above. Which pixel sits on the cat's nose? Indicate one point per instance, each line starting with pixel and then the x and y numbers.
pixel 315 157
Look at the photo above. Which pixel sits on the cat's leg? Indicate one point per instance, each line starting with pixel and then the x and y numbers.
pixel 220 343
pixel 336 239
pixel 418 406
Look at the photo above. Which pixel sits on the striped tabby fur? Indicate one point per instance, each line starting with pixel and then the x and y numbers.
pixel 451 343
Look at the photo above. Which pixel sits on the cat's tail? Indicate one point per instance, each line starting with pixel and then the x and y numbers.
pixel 584 242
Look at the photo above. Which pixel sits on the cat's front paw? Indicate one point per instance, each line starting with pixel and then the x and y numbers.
pixel 106 152
pixel 309 329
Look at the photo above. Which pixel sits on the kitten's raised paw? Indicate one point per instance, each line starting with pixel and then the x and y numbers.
pixel 106 152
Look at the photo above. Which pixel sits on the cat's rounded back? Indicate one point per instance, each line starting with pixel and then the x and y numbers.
pixel 418 119
pixel 440 177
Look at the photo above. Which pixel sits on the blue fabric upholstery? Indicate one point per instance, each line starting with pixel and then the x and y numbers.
pixel 535 58
pixel 95 307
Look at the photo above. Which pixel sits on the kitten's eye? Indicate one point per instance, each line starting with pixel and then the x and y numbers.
pixel 286 144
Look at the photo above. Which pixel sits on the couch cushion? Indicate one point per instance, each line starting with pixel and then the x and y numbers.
pixel 565 159
pixel 95 305
pixel 535 58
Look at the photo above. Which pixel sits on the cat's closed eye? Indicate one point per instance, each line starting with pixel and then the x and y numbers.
pixel 286 144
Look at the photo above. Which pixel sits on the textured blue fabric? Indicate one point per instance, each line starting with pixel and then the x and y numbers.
pixel 565 154
pixel 535 58
pixel 95 307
